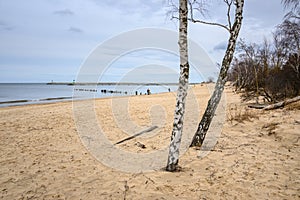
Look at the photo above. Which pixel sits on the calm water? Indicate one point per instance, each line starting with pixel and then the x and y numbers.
pixel 27 93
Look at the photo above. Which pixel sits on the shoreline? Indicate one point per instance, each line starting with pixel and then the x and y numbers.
pixel 69 99
pixel 69 92
pixel 24 102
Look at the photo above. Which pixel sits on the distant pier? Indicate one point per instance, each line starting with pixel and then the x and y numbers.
pixel 112 83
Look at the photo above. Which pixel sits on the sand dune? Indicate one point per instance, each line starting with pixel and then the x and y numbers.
pixel 42 155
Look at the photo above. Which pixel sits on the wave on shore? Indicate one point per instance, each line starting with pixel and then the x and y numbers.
pixel 31 101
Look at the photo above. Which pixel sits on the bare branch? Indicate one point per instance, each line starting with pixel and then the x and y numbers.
pixel 174 17
pixel 290 3
pixel 173 10
pixel 291 15
pixel 229 3
pixel 191 18
pixel 198 5
pixel 209 23
pixel 200 9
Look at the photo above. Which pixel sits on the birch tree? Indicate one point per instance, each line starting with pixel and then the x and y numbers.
pixel 214 100
pixel 173 157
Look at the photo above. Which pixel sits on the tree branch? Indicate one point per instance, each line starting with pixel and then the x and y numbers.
pixel 191 18
pixel 137 134
pixel 209 23
pixel 275 105
pixel 229 3
pixel 282 103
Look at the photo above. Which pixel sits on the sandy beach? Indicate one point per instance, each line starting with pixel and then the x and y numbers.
pixel 42 155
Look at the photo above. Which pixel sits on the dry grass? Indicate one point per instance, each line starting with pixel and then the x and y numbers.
pixel 240 114
pixel 293 106
pixel 270 127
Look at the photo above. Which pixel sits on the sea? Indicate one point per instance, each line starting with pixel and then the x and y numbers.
pixel 16 94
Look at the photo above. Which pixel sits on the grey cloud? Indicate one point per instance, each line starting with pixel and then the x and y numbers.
pixel 220 46
pixel 134 6
pixel 75 30
pixel 65 12
pixel 5 26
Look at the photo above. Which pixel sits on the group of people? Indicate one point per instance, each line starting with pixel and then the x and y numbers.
pixel 148 92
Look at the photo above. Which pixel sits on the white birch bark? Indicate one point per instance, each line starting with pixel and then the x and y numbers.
pixel 219 87
pixel 182 88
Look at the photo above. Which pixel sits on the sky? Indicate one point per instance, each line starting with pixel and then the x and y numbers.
pixel 45 40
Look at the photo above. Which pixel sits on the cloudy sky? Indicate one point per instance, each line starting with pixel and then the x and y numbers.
pixel 44 40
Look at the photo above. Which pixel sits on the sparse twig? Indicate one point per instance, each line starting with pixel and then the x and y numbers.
pixel 191 18
pixel 126 188
pixel 209 23
pixel 229 3
pixel 199 6
pixel 138 134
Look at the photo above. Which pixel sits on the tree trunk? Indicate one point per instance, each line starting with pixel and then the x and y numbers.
pixel 282 103
pixel 219 87
pixel 182 89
